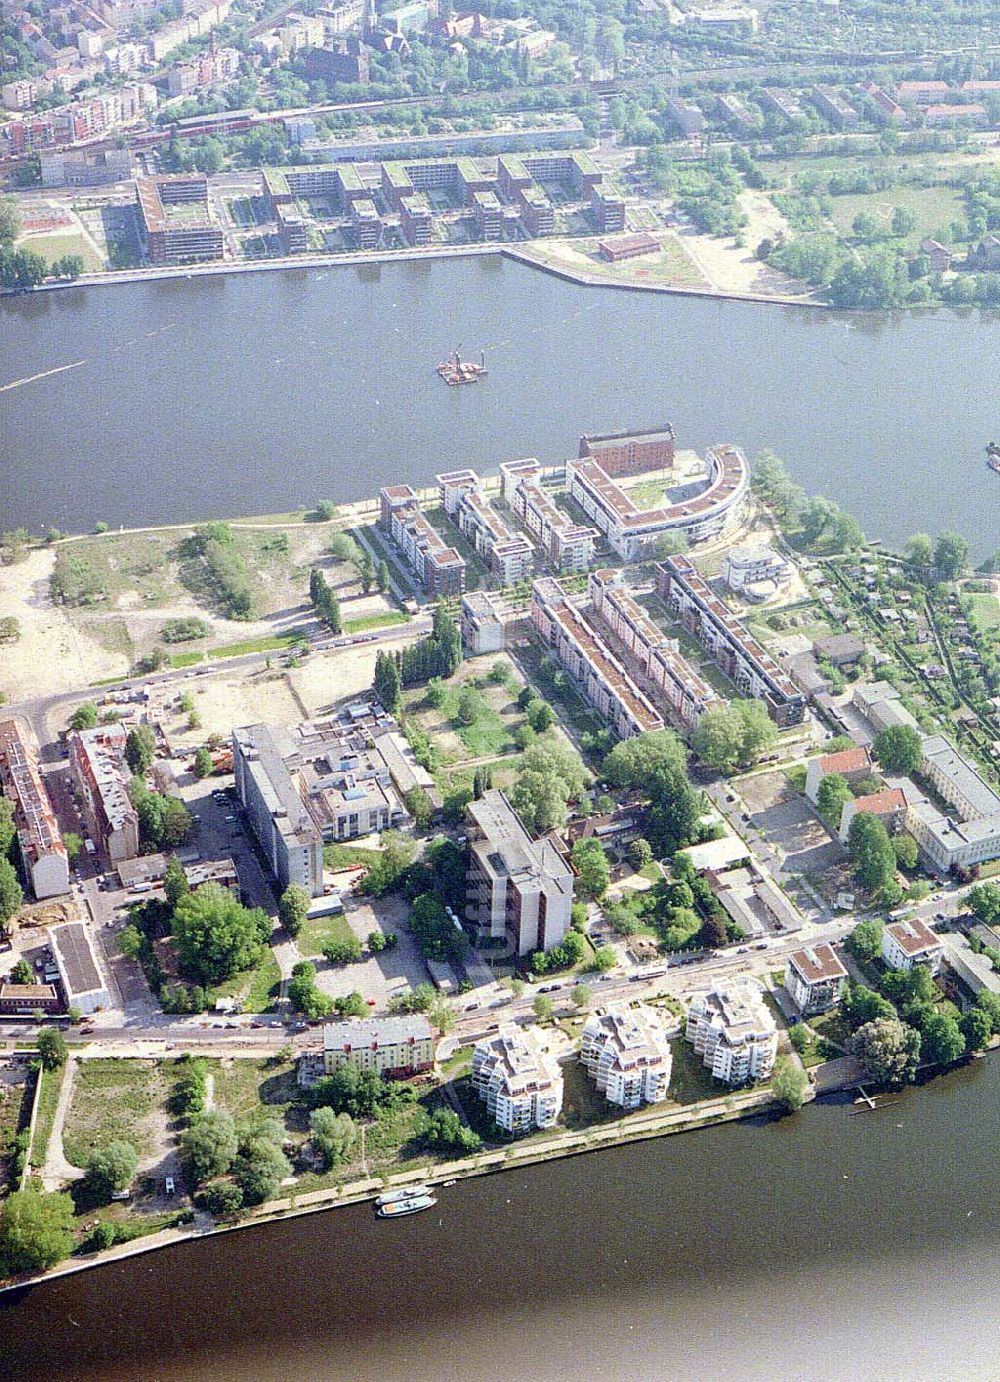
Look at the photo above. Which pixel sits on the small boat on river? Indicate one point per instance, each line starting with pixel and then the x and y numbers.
pixel 398 1209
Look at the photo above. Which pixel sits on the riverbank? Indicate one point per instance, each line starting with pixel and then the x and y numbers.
pixel 362 258
pixel 656 1122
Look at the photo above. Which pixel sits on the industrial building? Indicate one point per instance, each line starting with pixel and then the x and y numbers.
pixel 79 972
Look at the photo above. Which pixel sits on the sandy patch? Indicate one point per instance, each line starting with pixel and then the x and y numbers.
pixel 52 654
pixel 733 269
pixel 325 679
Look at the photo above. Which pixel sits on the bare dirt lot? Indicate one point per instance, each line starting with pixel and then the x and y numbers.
pixel 789 824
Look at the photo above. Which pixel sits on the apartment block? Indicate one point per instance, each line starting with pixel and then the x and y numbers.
pixel 733 1031
pixel 439 568
pixel 100 780
pixel 175 222
pixel 752 669
pixel 881 705
pixel 518 1079
pixel 889 805
pixel 310 784
pixel 489 215
pixel 367 223
pixel 608 210
pixel 633 532
pixel 909 943
pixel 598 674
pixel 392 1046
pixel 568 544
pixel 970 834
pixel 853 765
pixel 626 1051
pixel 292 231
pixel 82 168
pixel 40 845
pixel 663 664
pixel 481 625
pixel 780 103
pixel 415 219
pixel 508 555
pixel 685 116
pixel 518 888
pixel 744 568
pixel 815 978
pixel 832 106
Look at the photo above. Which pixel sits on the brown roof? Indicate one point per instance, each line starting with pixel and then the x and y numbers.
pixel 890 799
pixel 913 936
pixel 27 992
pixel 855 760
pixel 817 962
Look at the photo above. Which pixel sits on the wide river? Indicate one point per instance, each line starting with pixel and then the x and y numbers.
pixel 255 393
pixel 825 1246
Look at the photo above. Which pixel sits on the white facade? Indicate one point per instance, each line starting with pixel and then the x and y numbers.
pixel 626 1052
pixel 518 1079
pixel 744 566
pixel 815 978
pixel 733 1031
pixel 909 943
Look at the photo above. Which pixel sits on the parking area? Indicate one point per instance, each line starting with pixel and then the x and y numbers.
pixel 794 835
pixel 381 976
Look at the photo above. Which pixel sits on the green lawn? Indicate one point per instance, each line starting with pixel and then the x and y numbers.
pixel 319 931
pixel 48 1098
pixel 57 246
pixel 246 1087
pixel 986 611
pixel 337 856
pixel 114 1099
pixel 255 989
pixel 934 207
pixel 376 621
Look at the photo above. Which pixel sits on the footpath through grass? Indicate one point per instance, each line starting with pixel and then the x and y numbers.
pixel 48 1098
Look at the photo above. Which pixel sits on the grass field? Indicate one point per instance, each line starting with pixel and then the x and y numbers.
pixel 934 207
pixel 52 247
pixel 246 1087
pixel 337 856
pixel 254 989
pixel 376 621
pixel 114 1099
pixel 319 931
pixel 986 611
pixel 48 1098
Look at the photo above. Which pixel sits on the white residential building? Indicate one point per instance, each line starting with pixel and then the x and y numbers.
pixel 599 675
pixel 746 567
pixel 627 1052
pixel 733 1031
pixel 568 544
pixel 481 624
pixel 40 844
pixel 853 765
pixel 389 1045
pixel 909 943
pixel 815 977
pixel 507 554
pixel 660 658
pixel 518 1079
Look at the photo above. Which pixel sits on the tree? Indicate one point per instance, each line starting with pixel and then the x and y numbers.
pixel 11 894
pixel 21 973
pixel 387 684
pixel 734 735
pixel 112 1169
pixel 175 884
pixel 445 1132
pixel 831 796
pixel 903 221
pixel 396 855
pixel 984 899
pixel 977 1029
pixel 789 1083
pixel 216 935
pixel 633 762
pixel 140 749
pixel 130 940
pixel 941 1040
pixel 989 1003
pixel 675 810
pixel 582 995
pixel 383 576
pixel 951 555
pixel 888 1049
pixel 899 749
pixel 866 226
pixel 540 716
pixel 441 1015
pixel 366 571
pixel 604 959
pixel 543 1007
pixel 35 1231
pixel 51 1047
pixel 209 1144
pixel 333 1136
pixel 351 1005
pixel 8 828
pixel 639 854
pixel 919 549
pixel 905 850
pixel 84 716
pixel 203 765
pixel 342 952
pixel 259 1169
pixel 871 851
pixel 592 867
pixel 420 807
pixel 221 1198
pixel 303 994
pixel 860 1005
pixel 293 907
pixel 865 941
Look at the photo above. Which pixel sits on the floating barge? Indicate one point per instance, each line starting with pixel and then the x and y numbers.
pixel 455 370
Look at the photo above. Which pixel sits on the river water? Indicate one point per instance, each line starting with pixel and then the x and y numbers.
pixel 253 393
pixel 824 1246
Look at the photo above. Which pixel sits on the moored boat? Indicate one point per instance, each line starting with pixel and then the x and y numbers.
pixel 408 1192
pixel 399 1208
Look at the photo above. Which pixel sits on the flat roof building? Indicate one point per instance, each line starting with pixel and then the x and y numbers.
pixel 508 555
pixel 911 942
pixel 568 544
pixel 392 1046
pixel 39 842
pixel 733 647
pixel 482 627
pixel 83 985
pixel 626 1051
pixel 733 1031
pixel 175 220
pixel 598 674
pixel 815 978
pixel 100 779
pixel 659 657
pixel 518 888
pixel 518 1079
pixel 439 568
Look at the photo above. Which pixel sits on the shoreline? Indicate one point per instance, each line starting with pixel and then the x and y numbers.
pixel 360 258
pixel 728 1108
